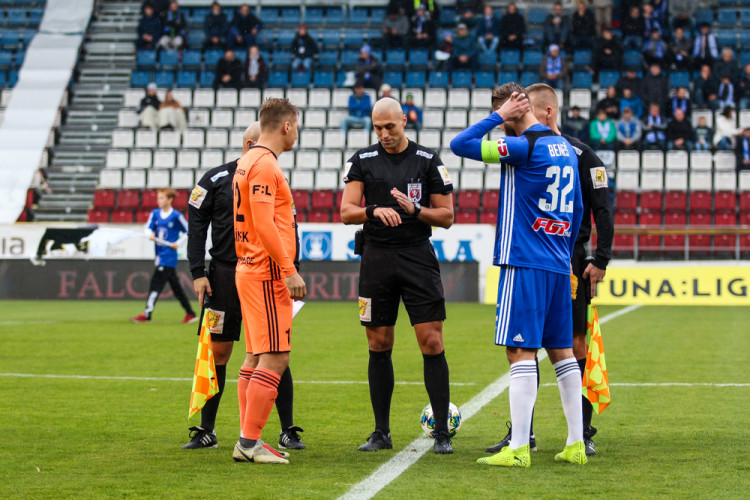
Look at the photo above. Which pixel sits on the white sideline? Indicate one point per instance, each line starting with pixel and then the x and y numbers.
pixel 393 468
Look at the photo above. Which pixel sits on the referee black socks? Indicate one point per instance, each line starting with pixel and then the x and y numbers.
pixel 285 400
pixel 588 410
pixel 437 383
pixel 208 413
pixel 380 376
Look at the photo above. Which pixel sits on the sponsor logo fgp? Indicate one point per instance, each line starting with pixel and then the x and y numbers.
pixel 550 226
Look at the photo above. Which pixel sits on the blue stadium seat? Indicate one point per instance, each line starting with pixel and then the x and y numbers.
pixel 35 17
pixel 744 58
pixel 230 14
pixel 745 38
pixel 195 39
pixel 510 58
pixel 349 58
pixel 582 57
pixel 529 78
pixel 462 78
pixel 447 16
pixel 301 78
pixel 192 58
pixel 582 79
pixel 291 15
pixel 727 3
pixel 485 79
pixel 328 59
pixel 240 54
pixel 211 57
pixel 488 60
pixel 140 78
pixel 507 76
pixel 278 79
pixel 187 79
pixel 532 58
pixel 419 58
pixel 3 79
pixel 536 16
pixel 6 59
pixel 726 37
pixel 9 38
pixel 164 78
pixel 354 38
pixel 264 38
pixel 335 15
pixel 168 58
pixel 608 77
pixel 323 78
pixel 331 38
pixel 439 79
pixel 269 15
pixel 207 78
pixel 358 16
pixel 12 78
pixel 679 79
pixel 374 37
pixel 27 36
pixel 284 38
pixel 704 16
pixel 199 15
pixel 416 79
pixel 744 17
pixel 377 15
pixel 16 17
pixel 393 78
pixel 395 58
pixel 533 38
pixel 20 56
pixel 341 79
pixel 145 58
pixel 314 15
pixel 633 58
pixel 727 17
pixel 282 60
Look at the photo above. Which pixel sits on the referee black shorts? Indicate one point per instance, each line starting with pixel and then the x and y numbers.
pixel 225 313
pixel 583 294
pixel 389 274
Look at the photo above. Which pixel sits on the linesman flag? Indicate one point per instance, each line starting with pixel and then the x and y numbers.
pixel 595 379
pixel 205 385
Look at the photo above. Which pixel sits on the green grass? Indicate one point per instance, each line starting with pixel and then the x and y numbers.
pixel 102 438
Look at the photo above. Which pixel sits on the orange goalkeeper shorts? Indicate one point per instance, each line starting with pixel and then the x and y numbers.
pixel 267 314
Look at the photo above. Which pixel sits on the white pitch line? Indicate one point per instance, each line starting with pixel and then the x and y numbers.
pixel 664 384
pixel 389 471
pixel 12 322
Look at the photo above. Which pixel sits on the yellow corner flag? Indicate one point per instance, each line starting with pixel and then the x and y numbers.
pixel 595 379
pixel 205 385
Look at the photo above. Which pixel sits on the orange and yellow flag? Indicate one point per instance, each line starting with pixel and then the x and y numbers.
pixel 595 379
pixel 205 385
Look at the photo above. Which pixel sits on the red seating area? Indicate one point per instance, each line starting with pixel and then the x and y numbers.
pixel 128 206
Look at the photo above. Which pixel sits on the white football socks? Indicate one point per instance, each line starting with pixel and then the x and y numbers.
pixel 522 392
pixel 569 383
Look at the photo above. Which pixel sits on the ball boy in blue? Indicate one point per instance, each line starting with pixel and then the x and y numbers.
pixel 165 226
pixel 539 215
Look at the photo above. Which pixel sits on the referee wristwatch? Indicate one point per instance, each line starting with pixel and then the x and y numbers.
pixel 417 208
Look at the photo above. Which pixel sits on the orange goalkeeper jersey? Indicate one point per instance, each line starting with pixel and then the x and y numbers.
pixel 264 225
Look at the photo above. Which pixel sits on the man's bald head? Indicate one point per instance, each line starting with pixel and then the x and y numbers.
pixel 250 136
pixel 544 104
pixel 387 106
pixel 389 120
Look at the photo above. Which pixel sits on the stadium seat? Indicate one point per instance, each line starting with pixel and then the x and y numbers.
pixel 699 243
pixel 164 78
pixel 211 57
pixel 700 201
pixel 675 201
pixel 416 79
pixel 418 58
pixel 725 243
pixel 97 216
pixel 529 78
pixel 168 59
pixel 725 201
pixel 145 58
pixel 608 78
pixel 437 79
pixel 485 79
pixel 128 198
pixel 149 198
pixel 490 199
pixel 393 78
pixel 394 58
pixel 488 217
pixel 507 76
pixel 727 17
pixel 187 79
pixel 674 243
pixel 582 57
pixel 301 78
pixel 461 79
pixel 322 199
pixel 648 242
pixel 207 78
pixel 191 59
pixel 335 16
pixel 510 58
pixel 679 79
pixel 468 199
pixel 301 200
pixel 323 78
pixel 624 244
pixel 104 198
pixel 626 201
pixel 532 59
pixel 140 78
pixel 16 17
pixel 651 201
pixel 582 79
pixel 278 79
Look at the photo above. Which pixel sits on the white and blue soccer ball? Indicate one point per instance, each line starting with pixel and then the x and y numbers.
pixel 428 420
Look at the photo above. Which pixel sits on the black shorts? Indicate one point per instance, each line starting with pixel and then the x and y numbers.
pixel 583 295
pixel 223 304
pixel 389 274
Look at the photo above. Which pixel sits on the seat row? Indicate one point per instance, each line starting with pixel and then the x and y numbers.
pixel 700 199
pixel 21 17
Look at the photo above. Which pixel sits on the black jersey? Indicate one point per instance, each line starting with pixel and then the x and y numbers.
pixel 211 203
pixel 417 171
pixel 594 188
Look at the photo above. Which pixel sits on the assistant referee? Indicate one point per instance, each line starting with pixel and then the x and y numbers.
pixel 406 190
pixel 211 203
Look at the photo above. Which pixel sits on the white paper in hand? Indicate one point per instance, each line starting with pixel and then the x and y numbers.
pixel 296 306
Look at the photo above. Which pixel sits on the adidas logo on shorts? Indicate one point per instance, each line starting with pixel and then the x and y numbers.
pixel 518 338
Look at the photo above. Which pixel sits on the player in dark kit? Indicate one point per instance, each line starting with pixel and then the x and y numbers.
pixel 211 203
pixel 406 190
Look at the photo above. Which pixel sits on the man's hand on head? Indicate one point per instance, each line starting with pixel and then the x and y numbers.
pixel 515 107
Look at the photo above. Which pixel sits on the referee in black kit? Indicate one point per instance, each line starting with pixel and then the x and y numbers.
pixel 406 190
pixel 588 271
pixel 211 203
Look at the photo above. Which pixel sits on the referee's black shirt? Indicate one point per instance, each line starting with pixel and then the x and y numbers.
pixel 417 171
pixel 594 188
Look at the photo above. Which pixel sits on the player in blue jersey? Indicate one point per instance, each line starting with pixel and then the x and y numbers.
pixel 165 226
pixel 539 214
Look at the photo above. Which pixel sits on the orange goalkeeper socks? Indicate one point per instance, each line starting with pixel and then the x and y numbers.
pixel 242 382
pixel 261 395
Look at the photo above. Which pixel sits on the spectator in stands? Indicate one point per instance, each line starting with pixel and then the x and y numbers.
pixel 725 129
pixel 704 135
pixel 632 101
pixel 488 31
pixel 304 48
pixel 742 150
pixel 727 66
pixel 173 36
pixel 39 188
pixel 631 81
pixel 554 68
pixel 680 100
pixel 396 29
pixel 149 29
pixel 610 104
pixel 359 109
pixel 608 51
pixel 602 13
pixel 216 27
pixel 228 72
pixel 422 28
pixel 468 12
pixel 705 48
pixel 706 89
pixel 654 127
pixel 683 21
pixel 556 27
pixel 160 7
pixel 655 50
pixel 148 109
pixel 512 28
pixel 680 134
pixel 444 51
pixel 650 22
pixel 172 114
pixel 629 131
pixel 660 12
pixel 368 69
pixel 576 126
pixel 385 91
pixel 602 132
pixel 743 89
pixel 409 6
pixel 256 70
pixel 725 95
pixel 633 28
pixel 582 27
pixel 655 85
pixel 244 28
pixel 464 49
pixel 413 113
pixel 679 50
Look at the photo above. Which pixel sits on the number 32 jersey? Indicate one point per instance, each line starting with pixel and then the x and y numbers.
pixel 540 207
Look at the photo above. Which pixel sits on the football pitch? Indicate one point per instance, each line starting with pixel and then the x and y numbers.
pixel 96 407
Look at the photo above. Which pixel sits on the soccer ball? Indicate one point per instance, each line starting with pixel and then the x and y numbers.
pixel 428 420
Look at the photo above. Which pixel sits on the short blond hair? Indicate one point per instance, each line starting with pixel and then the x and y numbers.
pixel 168 192
pixel 275 111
